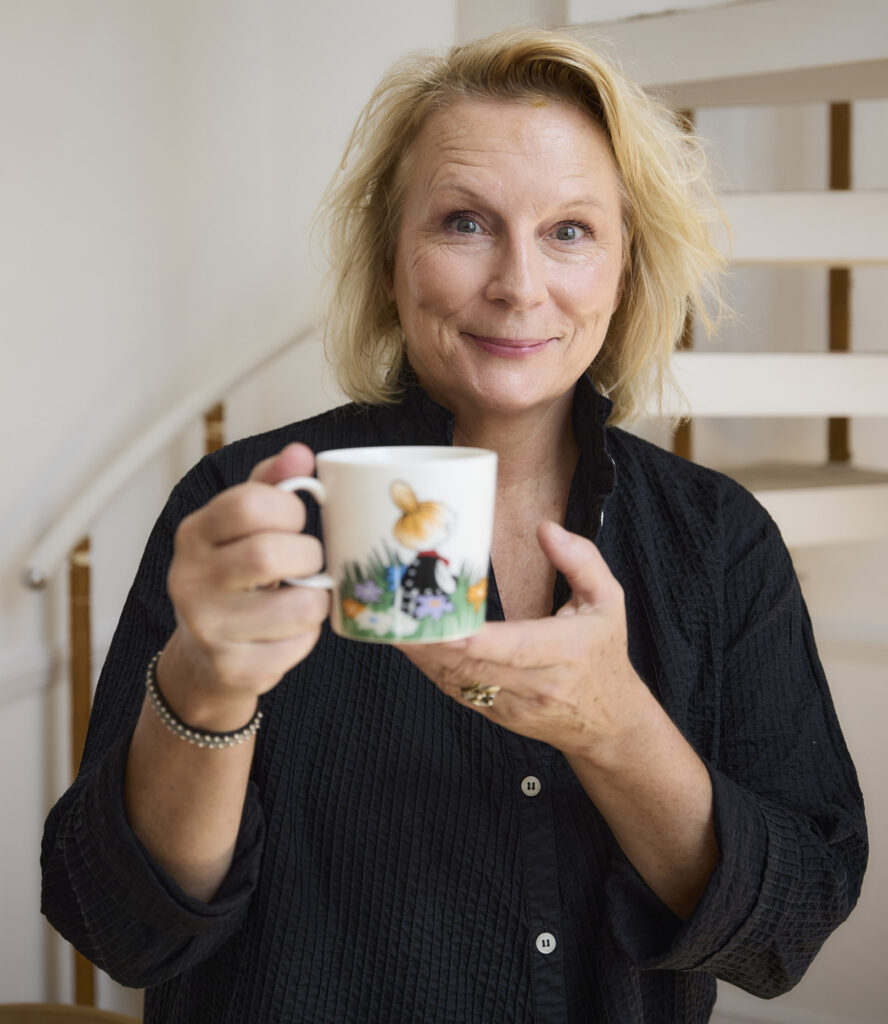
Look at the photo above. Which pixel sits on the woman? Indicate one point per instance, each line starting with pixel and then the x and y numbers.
pixel 631 782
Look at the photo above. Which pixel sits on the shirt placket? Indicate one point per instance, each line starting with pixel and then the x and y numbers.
pixel 533 793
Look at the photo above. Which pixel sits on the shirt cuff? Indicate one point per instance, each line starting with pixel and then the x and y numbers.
pixel 651 935
pixel 132 919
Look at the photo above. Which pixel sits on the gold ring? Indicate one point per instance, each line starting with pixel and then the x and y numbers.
pixel 480 696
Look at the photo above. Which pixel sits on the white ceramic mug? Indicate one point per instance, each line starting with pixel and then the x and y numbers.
pixel 406 534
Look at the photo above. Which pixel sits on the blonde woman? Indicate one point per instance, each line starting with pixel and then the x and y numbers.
pixel 630 783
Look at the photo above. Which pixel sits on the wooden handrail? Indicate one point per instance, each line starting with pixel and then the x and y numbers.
pixel 82 512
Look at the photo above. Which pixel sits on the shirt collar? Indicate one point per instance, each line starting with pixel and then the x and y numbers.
pixel 418 419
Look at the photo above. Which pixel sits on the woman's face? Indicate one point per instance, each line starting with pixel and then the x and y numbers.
pixel 508 257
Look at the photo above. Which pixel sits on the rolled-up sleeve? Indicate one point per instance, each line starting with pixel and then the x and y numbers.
pixel 101 889
pixel 788 812
pixel 103 892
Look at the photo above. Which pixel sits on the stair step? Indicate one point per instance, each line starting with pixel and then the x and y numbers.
pixel 829 229
pixel 827 504
pixel 771 51
pixel 780 384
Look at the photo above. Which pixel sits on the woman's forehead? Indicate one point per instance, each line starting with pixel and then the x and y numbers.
pixel 529 121
pixel 475 138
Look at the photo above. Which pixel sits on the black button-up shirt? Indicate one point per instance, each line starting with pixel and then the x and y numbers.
pixel 403 860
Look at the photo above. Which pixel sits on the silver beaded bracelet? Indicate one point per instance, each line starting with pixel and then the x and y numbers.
pixel 212 740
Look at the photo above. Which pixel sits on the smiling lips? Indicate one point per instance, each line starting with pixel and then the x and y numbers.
pixel 510 348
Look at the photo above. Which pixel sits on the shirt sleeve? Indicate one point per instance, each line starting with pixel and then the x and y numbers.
pixel 788 812
pixel 101 889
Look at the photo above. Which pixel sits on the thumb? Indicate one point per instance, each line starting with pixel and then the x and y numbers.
pixel 294 460
pixel 586 572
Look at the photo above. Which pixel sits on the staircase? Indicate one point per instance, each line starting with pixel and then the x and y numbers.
pixel 775 52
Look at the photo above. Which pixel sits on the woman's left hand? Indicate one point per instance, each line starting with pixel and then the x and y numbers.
pixel 565 680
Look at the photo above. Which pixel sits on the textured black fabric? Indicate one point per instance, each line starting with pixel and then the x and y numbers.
pixel 390 868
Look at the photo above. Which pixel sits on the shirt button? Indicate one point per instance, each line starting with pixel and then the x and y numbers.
pixel 545 942
pixel 530 785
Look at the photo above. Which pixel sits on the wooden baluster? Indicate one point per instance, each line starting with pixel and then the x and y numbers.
pixel 214 428
pixel 839 277
pixel 81 698
pixel 683 435
pixel 81 669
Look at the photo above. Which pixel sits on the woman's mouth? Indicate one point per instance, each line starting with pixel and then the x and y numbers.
pixel 510 348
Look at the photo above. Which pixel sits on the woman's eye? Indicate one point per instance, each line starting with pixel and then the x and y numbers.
pixel 465 225
pixel 569 232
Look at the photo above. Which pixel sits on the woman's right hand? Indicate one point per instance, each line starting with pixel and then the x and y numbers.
pixel 237 631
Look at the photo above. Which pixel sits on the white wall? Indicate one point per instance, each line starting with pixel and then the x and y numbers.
pixel 160 164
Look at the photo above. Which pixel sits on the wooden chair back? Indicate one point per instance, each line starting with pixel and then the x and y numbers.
pixel 55 1013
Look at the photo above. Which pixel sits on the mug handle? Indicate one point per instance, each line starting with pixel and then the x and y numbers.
pixel 322 580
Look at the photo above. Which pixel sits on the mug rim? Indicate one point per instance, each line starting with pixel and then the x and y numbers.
pixel 388 455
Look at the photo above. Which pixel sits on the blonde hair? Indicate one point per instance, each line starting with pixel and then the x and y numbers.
pixel 670 262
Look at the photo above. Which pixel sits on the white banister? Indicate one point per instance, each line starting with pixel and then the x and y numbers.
pixel 82 512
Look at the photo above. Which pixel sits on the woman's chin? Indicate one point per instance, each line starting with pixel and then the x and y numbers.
pixel 496 387
pixel 514 398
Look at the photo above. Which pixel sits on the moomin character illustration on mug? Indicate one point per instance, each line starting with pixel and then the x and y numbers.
pixel 413 589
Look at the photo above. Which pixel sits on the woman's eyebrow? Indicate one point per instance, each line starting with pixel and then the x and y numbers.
pixel 456 188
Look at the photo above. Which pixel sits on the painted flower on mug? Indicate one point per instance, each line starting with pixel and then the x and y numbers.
pixel 476 595
pixel 351 609
pixel 383 623
pixel 432 606
pixel 368 590
pixel 380 623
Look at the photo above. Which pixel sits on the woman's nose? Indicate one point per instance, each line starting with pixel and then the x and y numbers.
pixel 517 275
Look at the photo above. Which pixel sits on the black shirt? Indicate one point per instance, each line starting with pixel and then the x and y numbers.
pixel 403 860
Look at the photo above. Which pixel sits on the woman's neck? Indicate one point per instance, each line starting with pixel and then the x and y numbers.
pixel 537 456
pixel 535 448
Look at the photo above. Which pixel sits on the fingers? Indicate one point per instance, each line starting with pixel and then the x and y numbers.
pixel 519 645
pixel 264 559
pixel 241 511
pixel 226 556
pixel 294 460
pixel 518 657
pixel 554 676
pixel 261 617
pixel 581 563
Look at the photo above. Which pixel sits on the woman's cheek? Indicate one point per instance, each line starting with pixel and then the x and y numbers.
pixel 445 281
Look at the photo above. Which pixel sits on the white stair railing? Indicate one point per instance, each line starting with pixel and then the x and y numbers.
pixel 69 537
pixel 85 508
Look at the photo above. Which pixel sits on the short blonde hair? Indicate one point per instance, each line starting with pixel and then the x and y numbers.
pixel 670 262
